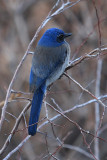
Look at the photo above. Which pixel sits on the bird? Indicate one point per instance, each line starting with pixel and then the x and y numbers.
pixel 50 58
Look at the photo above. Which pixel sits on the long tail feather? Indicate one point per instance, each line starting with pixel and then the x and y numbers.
pixel 35 110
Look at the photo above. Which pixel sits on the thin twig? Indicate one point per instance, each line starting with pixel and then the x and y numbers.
pixel 72 109
pixel 17 148
pixel 14 128
pixel 97 107
pixel 99 101
pixel 85 57
pixel 78 149
pixel 52 119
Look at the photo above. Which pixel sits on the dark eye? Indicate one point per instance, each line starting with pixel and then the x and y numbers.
pixel 60 38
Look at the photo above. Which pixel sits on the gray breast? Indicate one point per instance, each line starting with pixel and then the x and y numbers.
pixel 60 68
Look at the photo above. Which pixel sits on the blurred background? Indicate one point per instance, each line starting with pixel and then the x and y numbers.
pixel 19 20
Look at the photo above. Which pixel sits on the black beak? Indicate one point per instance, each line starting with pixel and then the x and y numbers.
pixel 67 35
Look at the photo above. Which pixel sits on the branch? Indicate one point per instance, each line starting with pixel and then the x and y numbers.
pixel 8 140
pixel 97 107
pixel 45 123
pixel 78 149
pixel 17 148
pixel 99 101
pixel 89 55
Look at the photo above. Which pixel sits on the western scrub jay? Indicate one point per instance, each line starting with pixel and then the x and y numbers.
pixel 49 61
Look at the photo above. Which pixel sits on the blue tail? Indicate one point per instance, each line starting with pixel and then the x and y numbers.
pixel 35 109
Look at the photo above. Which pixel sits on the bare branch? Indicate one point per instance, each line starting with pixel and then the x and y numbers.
pixel 17 148
pixel 78 149
pixel 97 108
pixel 14 128
pixel 52 119
pixel 86 56
pixel 100 102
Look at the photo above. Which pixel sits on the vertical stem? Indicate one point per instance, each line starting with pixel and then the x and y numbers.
pixel 97 109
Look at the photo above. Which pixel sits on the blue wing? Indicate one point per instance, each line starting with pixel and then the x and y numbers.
pixel 35 82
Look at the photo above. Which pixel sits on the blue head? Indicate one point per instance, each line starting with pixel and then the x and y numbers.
pixel 53 37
